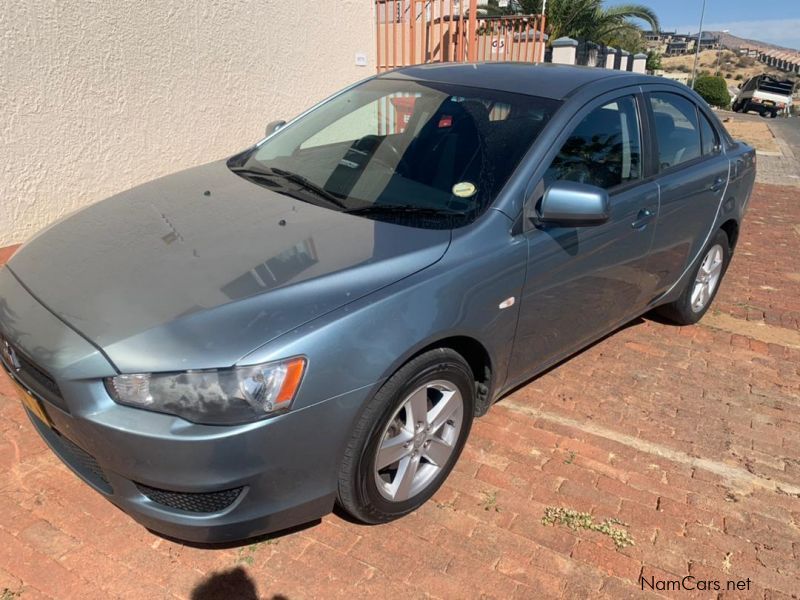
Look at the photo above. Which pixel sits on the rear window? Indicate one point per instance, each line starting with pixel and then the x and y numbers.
pixel 677 129
pixel 709 136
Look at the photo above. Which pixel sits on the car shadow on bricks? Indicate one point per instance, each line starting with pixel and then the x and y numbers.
pixel 267 538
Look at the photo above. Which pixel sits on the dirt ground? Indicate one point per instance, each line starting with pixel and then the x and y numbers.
pixel 754 133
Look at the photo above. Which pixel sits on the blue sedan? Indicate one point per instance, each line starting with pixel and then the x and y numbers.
pixel 233 349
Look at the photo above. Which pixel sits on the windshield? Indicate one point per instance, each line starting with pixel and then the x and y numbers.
pixel 422 154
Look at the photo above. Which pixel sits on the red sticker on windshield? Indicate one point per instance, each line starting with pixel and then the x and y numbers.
pixel 446 121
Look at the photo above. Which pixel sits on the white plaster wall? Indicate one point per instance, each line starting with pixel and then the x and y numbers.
pixel 99 95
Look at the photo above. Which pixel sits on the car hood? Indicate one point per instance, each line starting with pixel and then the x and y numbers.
pixel 197 269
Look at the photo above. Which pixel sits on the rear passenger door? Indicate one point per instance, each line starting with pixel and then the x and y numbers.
pixel 692 177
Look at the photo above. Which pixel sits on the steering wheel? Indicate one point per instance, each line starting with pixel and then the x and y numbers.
pixel 577 171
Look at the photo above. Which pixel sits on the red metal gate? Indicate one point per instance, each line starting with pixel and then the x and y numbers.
pixel 411 32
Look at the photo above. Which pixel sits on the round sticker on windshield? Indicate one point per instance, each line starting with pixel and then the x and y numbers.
pixel 464 189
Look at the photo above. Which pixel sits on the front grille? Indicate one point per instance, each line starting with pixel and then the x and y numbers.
pixel 31 375
pixel 74 456
pixel 83 458
pixel 208 502
pixel 29 370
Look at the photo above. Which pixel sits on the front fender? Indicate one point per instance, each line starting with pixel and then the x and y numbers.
pixel 360 345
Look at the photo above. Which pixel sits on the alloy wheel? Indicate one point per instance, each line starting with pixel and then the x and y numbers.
pixel 418 440
pixel 707 278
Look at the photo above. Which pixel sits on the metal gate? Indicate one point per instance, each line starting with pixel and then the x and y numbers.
pixel 411 32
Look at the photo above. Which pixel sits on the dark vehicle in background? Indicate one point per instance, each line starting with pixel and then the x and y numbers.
pixel 765 95
pixel 232 349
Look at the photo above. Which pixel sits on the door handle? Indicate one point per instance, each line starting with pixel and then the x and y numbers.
pixel 718 184
pixel 643 218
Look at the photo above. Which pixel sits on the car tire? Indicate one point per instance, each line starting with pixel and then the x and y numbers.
pixel 702 288
pixel 427 447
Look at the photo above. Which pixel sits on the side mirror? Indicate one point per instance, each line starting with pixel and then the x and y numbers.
pixel 572 204
pixel 273 126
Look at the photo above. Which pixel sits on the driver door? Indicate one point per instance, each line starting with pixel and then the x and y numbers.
pixel 584 281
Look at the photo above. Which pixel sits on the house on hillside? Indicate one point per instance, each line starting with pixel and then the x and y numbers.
pixel 680 44
pixel 658 40
pixel 708 40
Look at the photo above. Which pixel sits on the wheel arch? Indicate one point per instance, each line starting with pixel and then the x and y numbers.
pixel 474 352
pixel 479 361
pixel 731 229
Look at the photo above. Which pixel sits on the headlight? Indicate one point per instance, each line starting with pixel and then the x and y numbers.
pixel 216 397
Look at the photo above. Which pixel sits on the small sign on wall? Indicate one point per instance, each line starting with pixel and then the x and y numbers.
pixel 361 59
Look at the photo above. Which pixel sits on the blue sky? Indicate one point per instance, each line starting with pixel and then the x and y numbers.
pixel 774 21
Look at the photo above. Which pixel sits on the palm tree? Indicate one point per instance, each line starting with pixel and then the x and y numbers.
pixel 587 19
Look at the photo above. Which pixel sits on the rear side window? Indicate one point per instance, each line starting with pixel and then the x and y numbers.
pixel 603 150
pixel 709 136
pixel 677 129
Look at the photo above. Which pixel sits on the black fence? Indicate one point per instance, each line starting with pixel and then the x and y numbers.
pixel 590 54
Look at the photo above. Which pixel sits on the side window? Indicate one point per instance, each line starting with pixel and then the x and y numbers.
pixel 677 129
pixel 709 136
pixel 603 150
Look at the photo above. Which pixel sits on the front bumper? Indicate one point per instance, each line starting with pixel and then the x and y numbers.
pixel 209 488
pixel 194 482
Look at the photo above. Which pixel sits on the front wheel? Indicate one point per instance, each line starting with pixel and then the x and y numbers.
pixel 408 438
pixel 693 303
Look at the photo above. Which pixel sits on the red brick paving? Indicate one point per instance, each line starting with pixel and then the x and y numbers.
pixel 691 436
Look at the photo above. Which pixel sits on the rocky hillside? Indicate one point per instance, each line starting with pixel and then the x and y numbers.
pixel 734 68
pixel 733 41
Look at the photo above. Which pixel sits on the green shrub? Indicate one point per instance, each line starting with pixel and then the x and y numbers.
pixel 653 61
pixel 713 90
pixel 739 77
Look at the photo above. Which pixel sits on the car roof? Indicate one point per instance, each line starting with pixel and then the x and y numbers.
pixel 540 79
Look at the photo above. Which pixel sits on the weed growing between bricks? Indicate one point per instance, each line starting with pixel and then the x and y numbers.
pixel 556 515
pixel 246 554
pixel 490 501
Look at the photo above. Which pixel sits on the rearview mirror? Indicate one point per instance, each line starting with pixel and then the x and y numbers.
pixel 572 204
pixel 273 126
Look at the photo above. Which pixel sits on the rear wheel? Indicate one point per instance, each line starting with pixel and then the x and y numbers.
pixel 408 438
pixel 696 298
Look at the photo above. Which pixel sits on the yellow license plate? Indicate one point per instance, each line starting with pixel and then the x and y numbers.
pixel 31 403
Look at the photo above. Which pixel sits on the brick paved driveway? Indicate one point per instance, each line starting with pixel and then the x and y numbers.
pixel 691 436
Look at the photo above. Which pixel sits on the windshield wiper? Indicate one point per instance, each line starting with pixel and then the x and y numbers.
pixel 304 183
pixel 404 209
